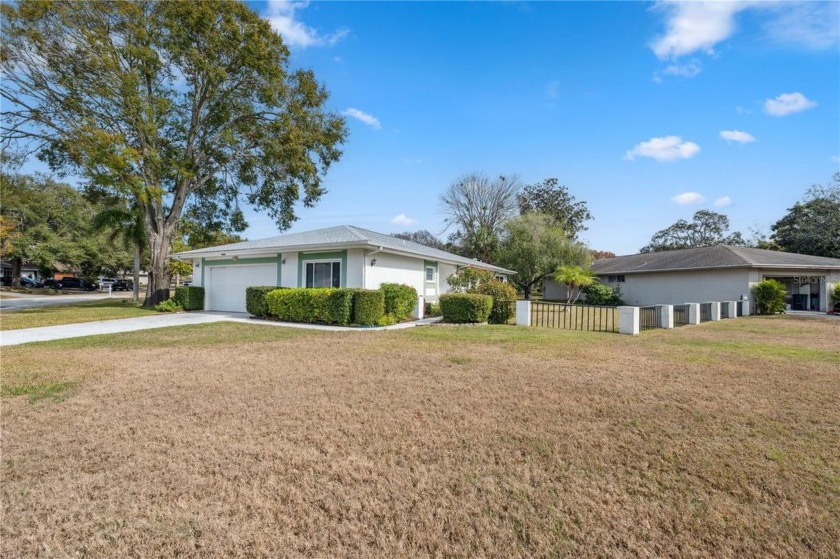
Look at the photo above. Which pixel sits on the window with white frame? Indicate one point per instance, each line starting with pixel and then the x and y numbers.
pixel 323 273
pixel 616 278
pixel 430 273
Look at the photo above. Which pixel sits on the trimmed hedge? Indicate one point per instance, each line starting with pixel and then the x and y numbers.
pixel 368 306
pixel 189 297
pixel 326 305
pixel 399 300
pixel 504 300
pixel 255 302
pixel 465 307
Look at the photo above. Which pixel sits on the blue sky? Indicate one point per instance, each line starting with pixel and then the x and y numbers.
pixel 647 111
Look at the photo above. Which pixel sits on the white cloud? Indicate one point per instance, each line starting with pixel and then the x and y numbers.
pixel 742 111
pixel 724 201
pixel 281 15
pixel 687 70
pixel 688 198
pixel 700 26
pixel 788 103
pixel 693 26
pixel 403 219
pixel 737 136
pixel 668 148
pixel 370 120
pixel 813 25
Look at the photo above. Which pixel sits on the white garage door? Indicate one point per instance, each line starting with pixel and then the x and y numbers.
pixel 226 284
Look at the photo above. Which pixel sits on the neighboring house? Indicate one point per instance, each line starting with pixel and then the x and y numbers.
pixel 342 256
pixel 716 273
pixel 27 270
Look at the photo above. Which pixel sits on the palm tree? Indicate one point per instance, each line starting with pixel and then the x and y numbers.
pixel 573 277
pixel 126 222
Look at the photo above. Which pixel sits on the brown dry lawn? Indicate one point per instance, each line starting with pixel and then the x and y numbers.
pixel 242 440
pixel 73 313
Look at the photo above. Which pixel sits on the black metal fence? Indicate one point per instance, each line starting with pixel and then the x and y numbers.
pixel 724 310
pixel 680 315
pixel 590 318
pixel 705 312
pixel 648 318
pixel 739 308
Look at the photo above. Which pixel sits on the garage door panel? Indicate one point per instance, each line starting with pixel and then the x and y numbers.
pixel 226 288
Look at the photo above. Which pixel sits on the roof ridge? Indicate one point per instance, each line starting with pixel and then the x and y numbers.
pixel 738 253
pixel 354 232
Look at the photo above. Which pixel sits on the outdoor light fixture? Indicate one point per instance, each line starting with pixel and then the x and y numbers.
pixel 283 261
pixel 373 261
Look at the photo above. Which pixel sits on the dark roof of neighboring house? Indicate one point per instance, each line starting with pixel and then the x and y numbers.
pixel 341 236
pixel 719 256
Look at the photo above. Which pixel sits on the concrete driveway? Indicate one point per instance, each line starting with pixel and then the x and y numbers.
pixel 28 301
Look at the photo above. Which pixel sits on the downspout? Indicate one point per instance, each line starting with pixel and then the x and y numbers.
pixel 365 265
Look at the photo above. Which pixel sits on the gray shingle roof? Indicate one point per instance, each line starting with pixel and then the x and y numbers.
pixel 720 256
pixel 341 236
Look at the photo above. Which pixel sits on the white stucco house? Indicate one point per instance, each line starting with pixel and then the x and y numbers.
pixel 716 273
pixel 342 256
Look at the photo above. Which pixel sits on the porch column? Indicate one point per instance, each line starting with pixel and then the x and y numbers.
pixel 715 311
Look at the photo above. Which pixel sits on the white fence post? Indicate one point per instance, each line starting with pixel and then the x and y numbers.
pixel 666 315
pixel 731 309
pixel 523 313
pixel 628 320
pixel 715 311
pixel 420 310
pixel 745 307
pixel 693 313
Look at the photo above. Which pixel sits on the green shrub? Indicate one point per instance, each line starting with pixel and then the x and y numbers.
pixel 600 294
pixel 432 309
pixel 326 305
pixel 467 280
pixel 170 305
pixel 368 306
pixel 465 307
pixel 769 296
pixel 504 299
pixel 387 320
pixel 255 302
pixel 399 300
pixel 190 298
pixel 835 293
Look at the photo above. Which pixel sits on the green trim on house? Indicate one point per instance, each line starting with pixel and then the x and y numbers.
pixel 310 256
pixel 202 273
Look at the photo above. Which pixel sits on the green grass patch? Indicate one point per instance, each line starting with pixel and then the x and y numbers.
pixel 55 315
pixel 57 390
pixel 194 335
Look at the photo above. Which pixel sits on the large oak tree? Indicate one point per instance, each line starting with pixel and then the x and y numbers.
pixel 168 105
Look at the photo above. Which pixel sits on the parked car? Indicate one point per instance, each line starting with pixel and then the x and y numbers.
pixel 52 283
pixel 835 309
pixel 31 283
pixel 103 283
pixel 77 283
pixel 24 282
pixel 122 285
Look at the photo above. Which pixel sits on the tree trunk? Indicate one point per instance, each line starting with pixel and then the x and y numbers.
pixel 158 288
pixel 17 266
pixel 527 292
pixel 135 291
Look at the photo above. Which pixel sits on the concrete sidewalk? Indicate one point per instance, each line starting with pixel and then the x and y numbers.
pixel 65 331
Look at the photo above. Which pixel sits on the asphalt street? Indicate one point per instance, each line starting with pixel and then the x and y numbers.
pixel 20 301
